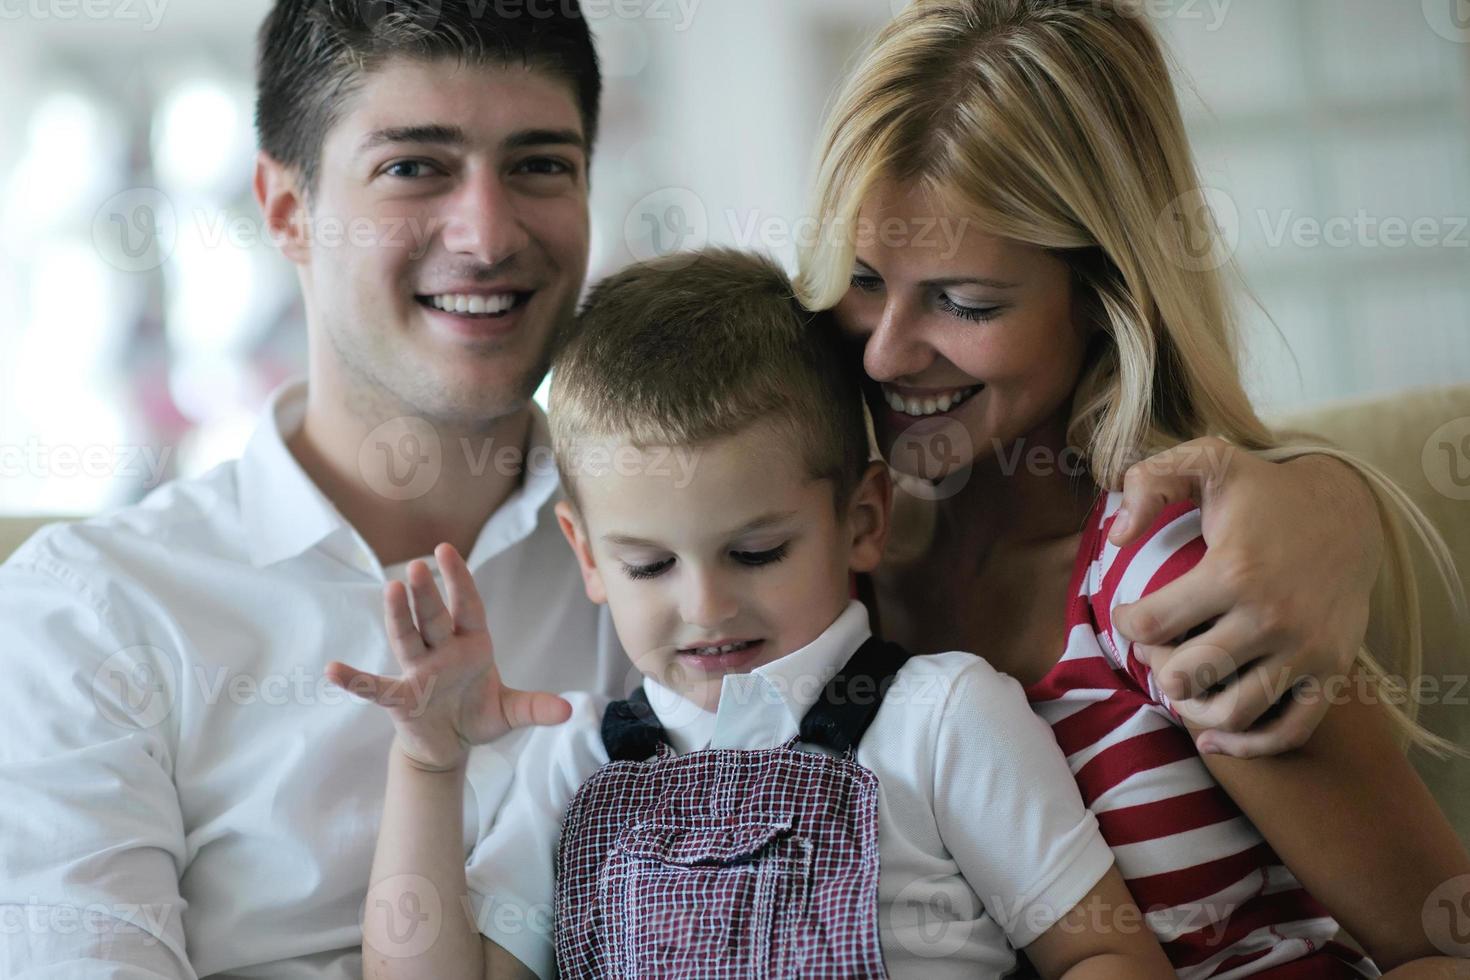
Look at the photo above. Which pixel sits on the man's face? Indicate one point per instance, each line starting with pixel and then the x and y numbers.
pixel 459 194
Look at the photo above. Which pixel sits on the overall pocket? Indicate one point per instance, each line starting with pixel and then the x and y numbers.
pixel 707 902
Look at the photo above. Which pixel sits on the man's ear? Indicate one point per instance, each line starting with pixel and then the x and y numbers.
pixel 571 529
pixel 283 206
pixel 868 515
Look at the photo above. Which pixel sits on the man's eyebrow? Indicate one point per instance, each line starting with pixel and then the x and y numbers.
pixel 545 137
pixel 428 133
pixel 447 135
pixel 759 524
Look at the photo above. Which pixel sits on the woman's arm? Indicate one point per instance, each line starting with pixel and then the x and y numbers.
pixel 1294 552
pixel 1353 821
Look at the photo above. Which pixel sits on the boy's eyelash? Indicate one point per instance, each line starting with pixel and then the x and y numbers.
pixel 647 571
pixel 758 558
pixel 754 559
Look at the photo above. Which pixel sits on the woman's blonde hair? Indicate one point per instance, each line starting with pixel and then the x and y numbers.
pixel 1055 123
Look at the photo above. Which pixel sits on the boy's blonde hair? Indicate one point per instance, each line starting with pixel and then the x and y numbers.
pixel 690 348
pixel 1055 123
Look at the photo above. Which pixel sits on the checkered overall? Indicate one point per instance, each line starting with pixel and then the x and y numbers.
pixel 728 863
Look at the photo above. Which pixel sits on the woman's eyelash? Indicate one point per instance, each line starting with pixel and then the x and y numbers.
pixel 867 284
pixel 967 312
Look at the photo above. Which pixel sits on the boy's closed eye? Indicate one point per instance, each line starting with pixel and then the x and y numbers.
pixel 752 559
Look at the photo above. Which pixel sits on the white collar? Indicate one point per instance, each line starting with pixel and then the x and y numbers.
pixel 762 708
pixel 285 514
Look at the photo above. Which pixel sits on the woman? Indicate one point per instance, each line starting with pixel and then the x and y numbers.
pixel 1076 322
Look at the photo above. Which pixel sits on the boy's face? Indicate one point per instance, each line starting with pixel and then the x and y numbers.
pixel 441 180
pixel 731 543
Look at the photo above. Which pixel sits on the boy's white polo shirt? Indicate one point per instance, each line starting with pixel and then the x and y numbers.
pixel 983 838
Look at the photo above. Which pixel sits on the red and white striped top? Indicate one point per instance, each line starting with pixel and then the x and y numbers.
pixel 1213 890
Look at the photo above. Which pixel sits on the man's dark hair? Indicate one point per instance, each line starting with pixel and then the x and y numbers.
pixel 313 55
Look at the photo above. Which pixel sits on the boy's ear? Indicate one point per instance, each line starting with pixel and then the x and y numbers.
pixel 571 528
pixel 868 515
pixel 283 206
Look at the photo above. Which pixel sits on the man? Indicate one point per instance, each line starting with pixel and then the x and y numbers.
pixel 192 796
pixel 184 794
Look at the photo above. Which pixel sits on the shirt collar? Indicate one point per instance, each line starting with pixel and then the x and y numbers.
pixel 762 708
pixel 286 514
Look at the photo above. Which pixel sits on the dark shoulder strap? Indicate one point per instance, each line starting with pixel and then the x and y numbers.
pixel 850 700
pixel 631 732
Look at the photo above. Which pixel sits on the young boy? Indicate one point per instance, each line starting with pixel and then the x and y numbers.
pixel 784 795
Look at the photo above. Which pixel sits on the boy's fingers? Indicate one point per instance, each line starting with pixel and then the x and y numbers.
pixel 403 635
pixel 435 626
pixel 358 682
pixel 465 606
pixel 522 708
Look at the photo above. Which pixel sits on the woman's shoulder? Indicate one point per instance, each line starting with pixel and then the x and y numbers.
pixel 1108 575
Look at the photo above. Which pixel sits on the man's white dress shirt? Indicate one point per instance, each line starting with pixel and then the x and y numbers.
pixel 181 792
pixel 983 839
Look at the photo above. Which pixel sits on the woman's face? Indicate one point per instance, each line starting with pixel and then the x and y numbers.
pixel 971 342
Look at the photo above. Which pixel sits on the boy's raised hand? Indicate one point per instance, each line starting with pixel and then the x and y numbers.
pixel 450 695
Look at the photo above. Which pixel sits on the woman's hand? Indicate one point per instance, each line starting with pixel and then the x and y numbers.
pixel 450 695
pixel 1281 596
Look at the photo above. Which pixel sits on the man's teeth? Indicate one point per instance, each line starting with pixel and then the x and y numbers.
pixel 727 648
pixel 460 303
pixel 931 404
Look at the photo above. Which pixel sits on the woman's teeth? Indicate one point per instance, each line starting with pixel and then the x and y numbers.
pixel 727 648
pixel 929 404
pixel 460 303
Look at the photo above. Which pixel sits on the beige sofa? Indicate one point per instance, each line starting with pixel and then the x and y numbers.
pixel 1395 434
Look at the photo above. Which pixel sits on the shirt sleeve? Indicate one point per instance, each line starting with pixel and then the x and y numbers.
pixel 1008 809
pixel 511 871
pixel 91 832
pixel 1173 546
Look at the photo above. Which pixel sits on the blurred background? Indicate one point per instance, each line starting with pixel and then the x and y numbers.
pixel 144 318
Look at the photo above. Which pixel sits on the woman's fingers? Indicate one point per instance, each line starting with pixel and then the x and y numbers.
pixel 465 606
pixel 1171 612
pixel 1187 472
pixel 435 624
pixel 1291 729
